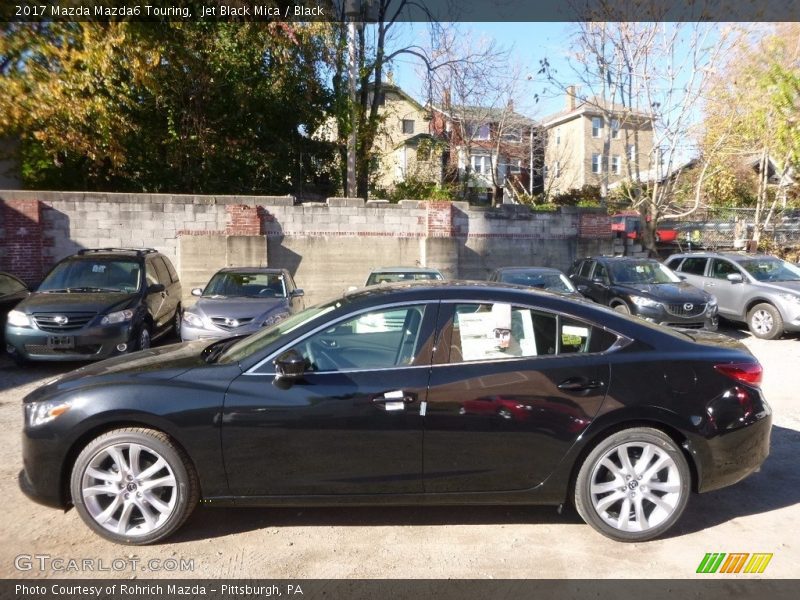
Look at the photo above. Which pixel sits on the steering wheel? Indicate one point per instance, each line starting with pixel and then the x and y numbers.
pixel 321 358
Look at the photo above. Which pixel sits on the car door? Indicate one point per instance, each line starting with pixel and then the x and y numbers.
pixel 157 304
pixel 172 296
pixel 351 425
pixel 585 285
pixel 729 294
pixel 508 399
pixel 693 269
pixel 601 284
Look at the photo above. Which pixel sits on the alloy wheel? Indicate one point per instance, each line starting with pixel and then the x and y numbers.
pixel 144 339
pixel 762 322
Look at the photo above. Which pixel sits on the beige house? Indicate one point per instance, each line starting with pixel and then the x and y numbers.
pixel 404 146
pixel 589 144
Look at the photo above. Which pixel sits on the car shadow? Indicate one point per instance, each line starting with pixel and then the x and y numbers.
pixel 775 486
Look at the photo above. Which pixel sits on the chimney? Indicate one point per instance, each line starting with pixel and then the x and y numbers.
pixel 571 97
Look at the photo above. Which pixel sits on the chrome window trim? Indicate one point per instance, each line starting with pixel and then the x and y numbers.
pixel 330 324
pixel 622 340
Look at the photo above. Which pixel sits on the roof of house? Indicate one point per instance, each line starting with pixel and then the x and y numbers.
pixel 487 114
pixel 589 107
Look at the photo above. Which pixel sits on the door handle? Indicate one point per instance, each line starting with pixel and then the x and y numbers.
pixel 579 385
pixel 395 396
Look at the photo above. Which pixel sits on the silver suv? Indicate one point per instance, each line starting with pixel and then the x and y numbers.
pixel 760 290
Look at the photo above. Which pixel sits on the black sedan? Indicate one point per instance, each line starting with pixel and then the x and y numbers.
pixel 645 288
pixel 446 393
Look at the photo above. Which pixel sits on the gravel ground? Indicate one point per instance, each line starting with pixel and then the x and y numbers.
pixel 760 514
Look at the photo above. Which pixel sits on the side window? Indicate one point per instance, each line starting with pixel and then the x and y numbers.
pixel 720 269
pixel 161 271
pixel 150 273
pixel 694 266
pixel 674 263
pixel 375 340
pixel 496 331
pixel 578 337
pixel 9 285
pixel 586 268
pixel 173 274
pixel 600 271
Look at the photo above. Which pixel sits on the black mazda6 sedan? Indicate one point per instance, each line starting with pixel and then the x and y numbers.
pixel 437 392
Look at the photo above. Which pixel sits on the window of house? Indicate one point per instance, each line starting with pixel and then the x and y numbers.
pixel 512 135
pixel 408 126
pixel 616 165
pixel 478 132
pixel 597 126
pixel 479 163
pixel 544 171
pixel 558 137
pixel 514 165
pixel 595 163
pixel 556 169
pixel 381 99
pixel 615 128
pixel 631 151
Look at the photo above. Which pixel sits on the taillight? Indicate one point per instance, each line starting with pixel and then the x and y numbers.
pixel 749 373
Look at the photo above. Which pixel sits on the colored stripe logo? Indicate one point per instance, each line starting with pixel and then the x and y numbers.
pixel 735 562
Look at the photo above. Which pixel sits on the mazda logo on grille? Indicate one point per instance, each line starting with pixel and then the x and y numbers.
pixel 231 322
pixel 60 320
pixel 688 306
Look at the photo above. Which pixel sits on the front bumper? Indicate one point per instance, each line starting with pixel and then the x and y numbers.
pixel 659 314
pixel 90 343
pixel 190 333
pixel 790 312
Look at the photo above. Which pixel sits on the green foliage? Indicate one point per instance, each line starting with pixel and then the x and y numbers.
pixel 171 107
pixel 588 195
pixel 413 188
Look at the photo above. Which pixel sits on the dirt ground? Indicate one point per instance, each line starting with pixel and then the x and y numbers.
pixel 760 514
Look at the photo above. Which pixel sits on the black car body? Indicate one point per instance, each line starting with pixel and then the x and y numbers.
pixel 12 292
pixel 542 278
pixel 433 408
pixel 96 304
pixel 645 288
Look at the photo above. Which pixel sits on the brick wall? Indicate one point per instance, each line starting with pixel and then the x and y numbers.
pixel 328 246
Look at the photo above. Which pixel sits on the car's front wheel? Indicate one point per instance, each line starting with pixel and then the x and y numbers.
pixel 134 486
pixel 634 485
pixel 765 322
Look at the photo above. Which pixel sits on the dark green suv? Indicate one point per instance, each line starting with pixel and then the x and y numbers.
pixel 96 304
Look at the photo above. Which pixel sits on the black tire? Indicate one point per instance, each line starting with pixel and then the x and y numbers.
pixel 176 322
pixel 186 489
pixel 143 338
pixel 678 481
pixel 622 308
pixel 765 321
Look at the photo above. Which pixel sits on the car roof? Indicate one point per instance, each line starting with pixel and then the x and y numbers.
pixel 442 290
pixel 728 255
pixel 621 259
pixel 404 270
pixel 267 270
pixel 528 269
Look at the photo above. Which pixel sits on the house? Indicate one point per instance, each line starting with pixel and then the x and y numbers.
pixel 593 143
pixel 404 146
pixel 496 153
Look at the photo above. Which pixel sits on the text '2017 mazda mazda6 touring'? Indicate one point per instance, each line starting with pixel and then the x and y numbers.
pixel 438 392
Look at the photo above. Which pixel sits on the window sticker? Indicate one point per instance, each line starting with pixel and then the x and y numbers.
pixel 98 268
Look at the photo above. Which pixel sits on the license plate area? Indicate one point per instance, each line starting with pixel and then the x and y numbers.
pixel 61 342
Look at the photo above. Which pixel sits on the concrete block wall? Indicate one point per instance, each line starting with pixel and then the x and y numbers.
pixel 327 246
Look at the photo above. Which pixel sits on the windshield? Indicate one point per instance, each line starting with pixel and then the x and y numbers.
pixel 771 269
pixel 93 275
pixel 248 285
pixel 645 272
pixel 549 281
pixel 247 346
pixel 390 277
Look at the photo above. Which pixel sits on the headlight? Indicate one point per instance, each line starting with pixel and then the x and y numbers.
pixel 788 297
pixel 712 301
pixel 192 319
pixel 117 317
pixel 272 319
pixel 642 301
pixel 39 413
pixel 18 318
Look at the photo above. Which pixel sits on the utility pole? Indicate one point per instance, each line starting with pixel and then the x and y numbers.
pixel 352 14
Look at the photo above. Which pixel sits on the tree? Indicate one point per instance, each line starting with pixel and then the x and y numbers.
pixel 172 107
pixel 646 79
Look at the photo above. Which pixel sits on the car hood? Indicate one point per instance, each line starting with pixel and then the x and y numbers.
pixel 97 302
pixel 237 308
pixel 165 362
pixel 667 292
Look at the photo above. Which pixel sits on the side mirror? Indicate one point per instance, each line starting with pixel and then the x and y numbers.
pixel 298 293
pixel 682 277
pixel 599 280
pixel 197 292
pixel 290 365
pixel 735 278
pixel 155 288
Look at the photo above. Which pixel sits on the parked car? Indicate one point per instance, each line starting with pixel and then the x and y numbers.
pixel 395 274
pixel 629 417
pixel 95 304
pixel 645 288
pixel 760 290
pixel 240 301
pixel 536 277
pixel 629 224
pixel 12 291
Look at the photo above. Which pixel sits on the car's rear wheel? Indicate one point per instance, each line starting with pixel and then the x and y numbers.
pixel 134 486
pixel 765 322
pixel 634 485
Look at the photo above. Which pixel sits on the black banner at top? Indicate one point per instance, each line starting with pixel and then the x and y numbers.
pixel 400 10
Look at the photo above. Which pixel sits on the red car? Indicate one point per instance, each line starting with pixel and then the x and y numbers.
pixel 630 224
